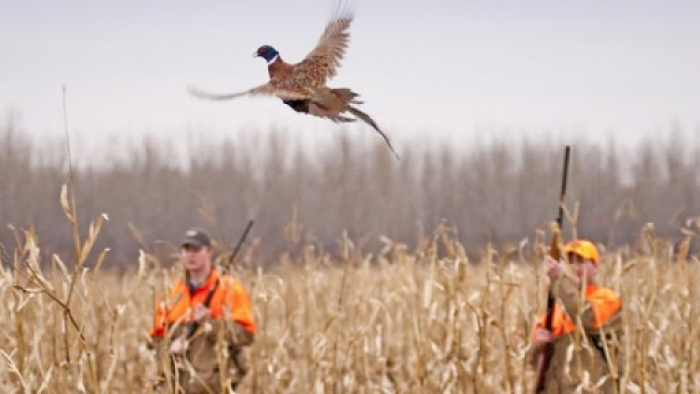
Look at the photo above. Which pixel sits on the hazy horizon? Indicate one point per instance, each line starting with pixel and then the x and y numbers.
pixel 452 72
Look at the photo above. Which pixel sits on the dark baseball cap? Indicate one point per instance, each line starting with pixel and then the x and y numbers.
pixel 196 237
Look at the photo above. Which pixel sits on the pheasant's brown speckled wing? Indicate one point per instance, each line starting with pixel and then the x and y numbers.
pixel 322 63
pixel 267 89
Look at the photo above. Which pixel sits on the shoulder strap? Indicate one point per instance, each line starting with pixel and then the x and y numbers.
pixel 207 301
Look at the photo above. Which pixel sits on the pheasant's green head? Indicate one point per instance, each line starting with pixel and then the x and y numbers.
pixel 267 52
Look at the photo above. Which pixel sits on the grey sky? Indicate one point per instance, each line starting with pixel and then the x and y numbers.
pixel 447 69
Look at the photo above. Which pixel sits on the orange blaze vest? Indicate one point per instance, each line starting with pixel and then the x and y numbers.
pixel 229 301
pixel 605 304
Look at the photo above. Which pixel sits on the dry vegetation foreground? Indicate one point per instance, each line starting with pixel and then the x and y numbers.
pixel 426 320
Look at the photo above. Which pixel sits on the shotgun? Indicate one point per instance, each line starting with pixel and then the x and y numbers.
pixel 207 301
pixel 555 252
pixel 232 258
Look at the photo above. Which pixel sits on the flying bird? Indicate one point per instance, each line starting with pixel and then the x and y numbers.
pixel 302 86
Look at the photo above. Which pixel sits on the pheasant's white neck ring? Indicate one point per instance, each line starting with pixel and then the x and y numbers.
pixel 274 59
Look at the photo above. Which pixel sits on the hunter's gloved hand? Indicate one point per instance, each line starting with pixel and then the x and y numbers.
pixel 201 314
pixel 178 347
pixel 543 337
pixel 554 267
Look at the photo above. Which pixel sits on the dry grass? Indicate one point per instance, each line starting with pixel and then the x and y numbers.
pixel 400 321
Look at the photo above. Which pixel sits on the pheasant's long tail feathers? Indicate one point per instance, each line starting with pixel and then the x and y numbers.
pixel 343 119
pixel 367 119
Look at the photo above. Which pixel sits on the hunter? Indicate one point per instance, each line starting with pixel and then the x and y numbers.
pixel 204 313
pixel 586 325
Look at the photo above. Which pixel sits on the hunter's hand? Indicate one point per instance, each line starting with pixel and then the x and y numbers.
pixel 178 347
pixel 554 267
pixel 201 313
pixel 543 337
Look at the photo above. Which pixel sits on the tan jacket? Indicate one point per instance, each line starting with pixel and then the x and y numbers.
pixel 215 358
pixel 582 320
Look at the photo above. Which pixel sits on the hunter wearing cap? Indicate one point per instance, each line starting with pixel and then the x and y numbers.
pixel 202 325
pixel 586 324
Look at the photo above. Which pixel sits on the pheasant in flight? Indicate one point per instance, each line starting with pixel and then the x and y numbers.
pixel 302 86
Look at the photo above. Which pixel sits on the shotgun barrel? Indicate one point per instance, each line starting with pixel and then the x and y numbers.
pixel 555 251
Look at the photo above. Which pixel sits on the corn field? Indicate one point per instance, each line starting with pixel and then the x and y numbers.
pixel 366 275
pixel 401 319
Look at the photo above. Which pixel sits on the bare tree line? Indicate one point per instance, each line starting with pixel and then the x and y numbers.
pixel 500 192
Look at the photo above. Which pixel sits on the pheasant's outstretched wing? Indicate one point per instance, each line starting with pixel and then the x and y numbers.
pixel 323 61
pixel 263 90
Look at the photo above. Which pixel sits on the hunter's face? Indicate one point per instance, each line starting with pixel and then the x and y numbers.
pixel 583 267
pixel 196 258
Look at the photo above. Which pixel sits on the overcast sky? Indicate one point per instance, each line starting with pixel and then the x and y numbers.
pixel 449 70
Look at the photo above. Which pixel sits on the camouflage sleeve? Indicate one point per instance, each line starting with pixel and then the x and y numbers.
pixel 233 333
pixel 604 315
pixel 608 338
pixel 567 288
pixel 238 335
